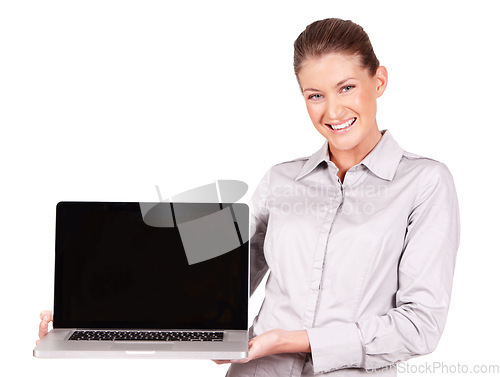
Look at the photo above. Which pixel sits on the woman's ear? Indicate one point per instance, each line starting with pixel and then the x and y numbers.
pixel 381 76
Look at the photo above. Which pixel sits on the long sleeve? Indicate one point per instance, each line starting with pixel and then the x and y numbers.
pixel 426 267
pixel 258 227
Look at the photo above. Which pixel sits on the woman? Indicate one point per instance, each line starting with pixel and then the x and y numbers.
pixel 360 238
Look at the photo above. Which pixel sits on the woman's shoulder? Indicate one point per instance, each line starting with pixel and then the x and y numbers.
pixel 296 162
pixel 424 167
pixel 289 169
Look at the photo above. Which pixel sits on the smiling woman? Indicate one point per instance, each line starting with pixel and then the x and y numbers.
pixel 361 251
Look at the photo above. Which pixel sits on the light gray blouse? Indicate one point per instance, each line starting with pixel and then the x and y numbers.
pixel 364 266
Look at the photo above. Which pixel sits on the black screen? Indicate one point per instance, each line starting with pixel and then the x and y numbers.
pixel 115 271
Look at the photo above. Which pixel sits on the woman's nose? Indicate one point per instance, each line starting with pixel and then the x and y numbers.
pixel 335 109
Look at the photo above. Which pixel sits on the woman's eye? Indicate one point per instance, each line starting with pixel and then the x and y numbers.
pixel 315 96
pixel 347 88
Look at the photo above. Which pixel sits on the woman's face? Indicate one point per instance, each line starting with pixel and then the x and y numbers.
pixel 341 101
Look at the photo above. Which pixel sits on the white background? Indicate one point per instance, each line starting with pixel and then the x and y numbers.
pixel 103 100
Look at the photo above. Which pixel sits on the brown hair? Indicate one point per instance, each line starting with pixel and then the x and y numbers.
pixel 334 35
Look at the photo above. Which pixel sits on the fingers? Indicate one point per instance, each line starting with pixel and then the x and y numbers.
pixel 220 362
pixel 237 361
pixel 46 315
pixel 43 328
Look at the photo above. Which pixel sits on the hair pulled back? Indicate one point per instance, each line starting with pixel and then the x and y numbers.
pixel 334 35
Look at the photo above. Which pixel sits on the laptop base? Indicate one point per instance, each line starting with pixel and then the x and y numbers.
pixel 56 345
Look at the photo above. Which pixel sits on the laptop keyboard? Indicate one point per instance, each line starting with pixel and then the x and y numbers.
pixel 169 336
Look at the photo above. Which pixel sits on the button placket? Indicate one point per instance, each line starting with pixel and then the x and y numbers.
pixel 320 257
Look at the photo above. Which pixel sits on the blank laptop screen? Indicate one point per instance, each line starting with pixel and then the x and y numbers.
pixel 115 270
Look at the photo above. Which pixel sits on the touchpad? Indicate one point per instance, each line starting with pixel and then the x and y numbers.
pixel 129 346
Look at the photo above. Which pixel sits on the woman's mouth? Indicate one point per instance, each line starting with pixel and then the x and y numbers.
pixel 342 127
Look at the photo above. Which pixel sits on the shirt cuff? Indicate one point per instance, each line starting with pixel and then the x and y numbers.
pixel 335 347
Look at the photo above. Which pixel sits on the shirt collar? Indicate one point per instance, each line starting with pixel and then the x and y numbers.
pixel 383 160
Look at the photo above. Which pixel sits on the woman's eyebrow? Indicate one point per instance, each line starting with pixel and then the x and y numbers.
pixel 341 82
pixel 311 90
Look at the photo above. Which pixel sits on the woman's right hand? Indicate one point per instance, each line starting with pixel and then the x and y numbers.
pixel 43 329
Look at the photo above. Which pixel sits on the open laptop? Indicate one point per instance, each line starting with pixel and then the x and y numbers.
pixel 150 280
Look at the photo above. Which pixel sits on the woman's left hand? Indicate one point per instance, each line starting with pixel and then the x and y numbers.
pixel 265 344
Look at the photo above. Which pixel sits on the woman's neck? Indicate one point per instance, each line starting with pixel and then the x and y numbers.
pixel 344 160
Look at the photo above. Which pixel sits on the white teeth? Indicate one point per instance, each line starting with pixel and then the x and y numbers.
pixel 343 125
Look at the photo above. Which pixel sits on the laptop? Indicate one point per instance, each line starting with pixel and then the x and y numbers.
pixel 150 280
